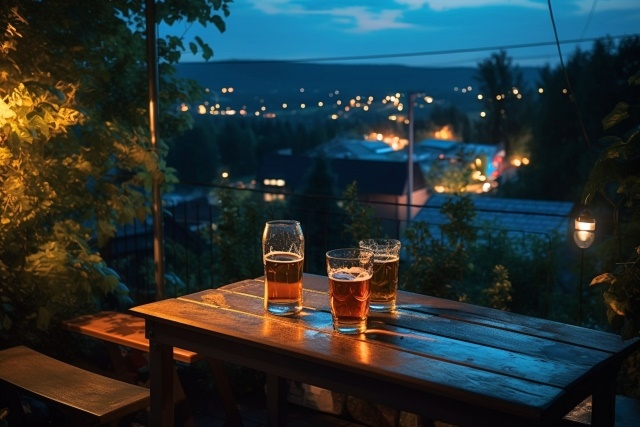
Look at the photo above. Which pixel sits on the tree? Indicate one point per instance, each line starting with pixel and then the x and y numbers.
pixel 314 206
pixel 361 222
pixel 507 121
pixel 437 264
pixel 194 154
pixel 568 125
pixel 76 159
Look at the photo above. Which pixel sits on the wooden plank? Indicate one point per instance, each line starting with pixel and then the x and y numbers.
pixel 518 350
pixel 116 328
pixel 424 304
pixel 290 338
pixel 102 398
pixel 454 356
pixel 122 329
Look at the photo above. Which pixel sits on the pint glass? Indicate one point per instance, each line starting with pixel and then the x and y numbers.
pixel 349 272
pixel 283 258
pixel 384 283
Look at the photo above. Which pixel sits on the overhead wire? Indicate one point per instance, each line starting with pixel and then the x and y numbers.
pixel 426 53
pixel 588 23
pixel 566 76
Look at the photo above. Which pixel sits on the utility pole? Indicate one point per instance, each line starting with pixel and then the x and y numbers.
pixel 154 89
pixel 412 100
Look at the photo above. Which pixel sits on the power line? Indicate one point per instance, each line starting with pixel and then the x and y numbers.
pixel 566 76
pixel 425 53
pixel 588 23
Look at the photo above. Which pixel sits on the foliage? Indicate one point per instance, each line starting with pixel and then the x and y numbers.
pixel 437 263
pixel 504 94
pixel 499 293
pixel 530 259
pixel 313 207
pixel 76 159
pixel 361 221
pixel 622 296
pixel 239 233
pixel 615 177
pixel 453 174
pixel 561 158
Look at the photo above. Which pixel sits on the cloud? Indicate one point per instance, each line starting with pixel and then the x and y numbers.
pixel 441 5
pixel 366 21
pixel 585 6
pixel 358 19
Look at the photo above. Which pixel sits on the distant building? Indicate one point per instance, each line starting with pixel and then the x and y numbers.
pixel 361 149
pixel 383 184
pixel 427 151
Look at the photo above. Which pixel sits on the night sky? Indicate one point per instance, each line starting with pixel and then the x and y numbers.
pixel 412 32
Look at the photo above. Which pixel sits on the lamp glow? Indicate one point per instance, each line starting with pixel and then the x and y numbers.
pixel 584 229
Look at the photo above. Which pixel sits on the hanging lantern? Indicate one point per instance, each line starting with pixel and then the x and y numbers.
pixel 584 229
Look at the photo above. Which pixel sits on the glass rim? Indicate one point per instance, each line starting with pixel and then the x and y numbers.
pixel 283 222
pixel 359 253
pixel 381 242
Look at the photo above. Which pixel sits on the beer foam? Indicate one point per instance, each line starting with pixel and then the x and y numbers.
pixel 341 275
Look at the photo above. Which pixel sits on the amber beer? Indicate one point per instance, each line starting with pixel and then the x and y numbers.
pixel 349 298
pixel 386 261
pixel 283 283
pixel 384 283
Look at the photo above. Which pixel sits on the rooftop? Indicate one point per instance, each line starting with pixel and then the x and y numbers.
pixel 529 216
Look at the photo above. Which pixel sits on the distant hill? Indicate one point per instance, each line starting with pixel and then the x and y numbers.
pixel 269 79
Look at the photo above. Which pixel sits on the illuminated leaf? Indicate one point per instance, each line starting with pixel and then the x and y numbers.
pixel 606 278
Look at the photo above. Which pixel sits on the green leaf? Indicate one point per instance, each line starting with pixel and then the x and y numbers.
pixel 219 23
pixel 620 112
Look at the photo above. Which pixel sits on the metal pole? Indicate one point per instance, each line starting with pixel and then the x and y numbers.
pixel 412 97
pixel 580 288
pixel 154 89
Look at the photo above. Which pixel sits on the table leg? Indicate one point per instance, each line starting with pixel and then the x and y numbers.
pixel 603 411
pixel 277 390
pixel 161 374
pixel 226 392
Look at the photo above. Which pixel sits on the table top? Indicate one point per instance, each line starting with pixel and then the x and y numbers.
pixel 457 356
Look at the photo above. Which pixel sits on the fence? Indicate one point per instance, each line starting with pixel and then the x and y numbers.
pixel 200 255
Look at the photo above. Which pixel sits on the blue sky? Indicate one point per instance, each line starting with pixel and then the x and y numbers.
pixel 438 33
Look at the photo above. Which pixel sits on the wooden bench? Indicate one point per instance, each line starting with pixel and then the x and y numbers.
pixel 627 413
pixel 86 398
pixel 117 329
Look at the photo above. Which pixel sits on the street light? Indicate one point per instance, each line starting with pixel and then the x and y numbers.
pixel 584 234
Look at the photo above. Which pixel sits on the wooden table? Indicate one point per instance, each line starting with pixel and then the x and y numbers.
pixel 455 362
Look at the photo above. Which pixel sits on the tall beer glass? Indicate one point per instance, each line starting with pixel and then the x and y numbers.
pixel 349 272
pixel 283 257
pixel 384 283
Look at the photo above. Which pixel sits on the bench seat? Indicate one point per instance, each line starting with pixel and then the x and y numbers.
pixel 627 413
pixel 89 398
pixel 122 329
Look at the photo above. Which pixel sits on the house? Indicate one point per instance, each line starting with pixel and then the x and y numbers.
pixel 382 184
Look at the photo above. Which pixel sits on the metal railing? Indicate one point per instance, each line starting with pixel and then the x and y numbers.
pixel 193 258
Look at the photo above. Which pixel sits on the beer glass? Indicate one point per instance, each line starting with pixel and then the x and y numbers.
pixel 384 283
pixel 349 272
pixel 283 257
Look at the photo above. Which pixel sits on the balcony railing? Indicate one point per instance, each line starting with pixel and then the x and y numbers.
pixel 195 242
